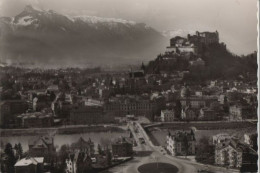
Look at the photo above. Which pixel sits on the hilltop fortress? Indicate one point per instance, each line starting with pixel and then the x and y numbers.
pixel 201 55
pixel 192 43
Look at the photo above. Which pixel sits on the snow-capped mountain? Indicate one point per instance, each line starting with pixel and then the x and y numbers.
pixel 36 18
pixel 178 32
pixel 95 19
pixel 47 36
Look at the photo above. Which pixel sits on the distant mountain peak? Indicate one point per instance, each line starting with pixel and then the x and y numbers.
pixel 30 9
pixel 31 14
pixel 95 19
pixel 87 38
pixel 177 32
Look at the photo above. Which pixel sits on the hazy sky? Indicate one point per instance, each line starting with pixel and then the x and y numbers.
pixel 236 20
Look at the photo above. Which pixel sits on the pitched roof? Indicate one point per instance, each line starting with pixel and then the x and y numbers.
pixel 81 143
pixel 181 135
pixel 28 161
pixel 43 140
pixel 167 111
pixel 237 145
pixel 121 140
pixel 40 144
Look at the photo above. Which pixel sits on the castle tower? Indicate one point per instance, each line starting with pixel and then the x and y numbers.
pixel 142 67
pixel 217 36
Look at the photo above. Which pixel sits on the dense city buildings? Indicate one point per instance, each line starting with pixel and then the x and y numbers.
pixel 198 101
pixel 9 109
pixel 34 119
pixel 189 114
pixel 210 112
pixel 87 115
pixel 240 112
pixel 167 115
pixel 131 105
pixel 207 114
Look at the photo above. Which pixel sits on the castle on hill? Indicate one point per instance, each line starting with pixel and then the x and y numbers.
pixel 192 42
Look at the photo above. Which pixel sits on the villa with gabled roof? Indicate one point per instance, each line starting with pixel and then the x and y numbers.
pixel 42 147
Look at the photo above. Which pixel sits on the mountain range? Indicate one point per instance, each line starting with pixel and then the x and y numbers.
pixel 49 38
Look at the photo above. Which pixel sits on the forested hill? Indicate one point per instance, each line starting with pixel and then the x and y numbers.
pixel 219 63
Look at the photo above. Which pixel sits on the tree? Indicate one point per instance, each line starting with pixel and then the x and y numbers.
pixel 52 96
pixel 100 151
pixel 63 155
pixel 186 145
pixel 19 150
pixel 215 106
pixel 108 157
pixel 10 158
pixel 143 67
pixel 234 96
pixel 16 148
pixel 130 135
pixel 178 109
pixel 205 151
pixel 178 50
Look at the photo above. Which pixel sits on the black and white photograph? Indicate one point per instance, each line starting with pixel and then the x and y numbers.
pixel 129 86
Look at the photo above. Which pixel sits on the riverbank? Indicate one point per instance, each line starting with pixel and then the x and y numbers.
pixel 202 125
pixel 158 135
pixel 61 130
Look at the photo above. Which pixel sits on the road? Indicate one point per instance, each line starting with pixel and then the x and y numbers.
pixel 55 130
pixel 147 153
